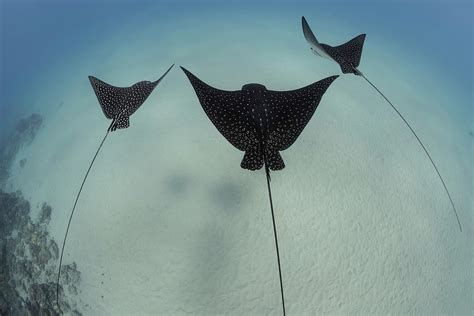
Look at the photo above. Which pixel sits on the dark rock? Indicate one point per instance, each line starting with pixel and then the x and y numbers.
pixel 53 246
pixel 70 273
pixel 45 215
pixel 14 212
pixel 23 162
pixel 27 256
pixel 28 127
pixel 44 256
pixel 24 134
pixel 39 246
pixel 42 299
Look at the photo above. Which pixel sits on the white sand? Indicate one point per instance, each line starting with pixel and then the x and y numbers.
pixel 169 223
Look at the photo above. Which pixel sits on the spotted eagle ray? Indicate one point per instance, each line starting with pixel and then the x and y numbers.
pixel 348 56
pixel 118 104
pixel 261 123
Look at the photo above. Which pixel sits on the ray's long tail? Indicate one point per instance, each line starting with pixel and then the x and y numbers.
pixel 74 208
pixel 419 141
pixel 267 171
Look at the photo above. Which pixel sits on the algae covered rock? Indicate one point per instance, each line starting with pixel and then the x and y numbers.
pixel 28 262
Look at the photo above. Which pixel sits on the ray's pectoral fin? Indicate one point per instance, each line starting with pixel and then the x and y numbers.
pixel 226 110
pixel 292 110
pixel 109 97
pixel 253 159
pixel 351 53
pixel 275 161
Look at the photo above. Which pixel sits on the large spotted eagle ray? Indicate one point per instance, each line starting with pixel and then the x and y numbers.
pixel 261 123
pixel 348 56
pixel 118 104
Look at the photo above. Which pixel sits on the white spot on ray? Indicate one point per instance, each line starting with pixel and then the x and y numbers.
pixel 270 121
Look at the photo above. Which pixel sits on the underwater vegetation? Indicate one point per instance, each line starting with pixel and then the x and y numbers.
pixel 28 254
pixel 255 120
pixel 23 134
pixel 144 217
pixel 28 257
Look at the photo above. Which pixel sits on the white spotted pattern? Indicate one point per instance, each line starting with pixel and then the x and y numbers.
pixel 292 110
pixel 258 121
pixel 348 54
pixel 119 103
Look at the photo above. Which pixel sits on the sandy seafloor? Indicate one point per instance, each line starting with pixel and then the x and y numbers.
pixel 168 222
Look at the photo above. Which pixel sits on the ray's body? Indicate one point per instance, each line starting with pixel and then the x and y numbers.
pixel 348 57
pixel 118 104
pixel 261 123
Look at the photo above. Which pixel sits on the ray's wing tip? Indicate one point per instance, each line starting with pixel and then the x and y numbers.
pixel 187 73
pixel 332 79
pixel 308 33
pixel 170 68
pixel 361 37
pixel 329 79
pixel 304 23
pixel 326 82
pixel 155 83
pixel 93 81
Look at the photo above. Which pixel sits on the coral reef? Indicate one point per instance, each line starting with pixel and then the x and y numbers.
pixel 24 133
pixel 23 162
pixel 28 258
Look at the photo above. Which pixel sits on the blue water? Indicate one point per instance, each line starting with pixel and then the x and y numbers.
pixel 38 36
pixel 357 163
pixel 41 36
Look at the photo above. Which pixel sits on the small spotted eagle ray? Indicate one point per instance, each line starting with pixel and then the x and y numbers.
pixel 348 56
pixel 261 123
pixel 118 104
